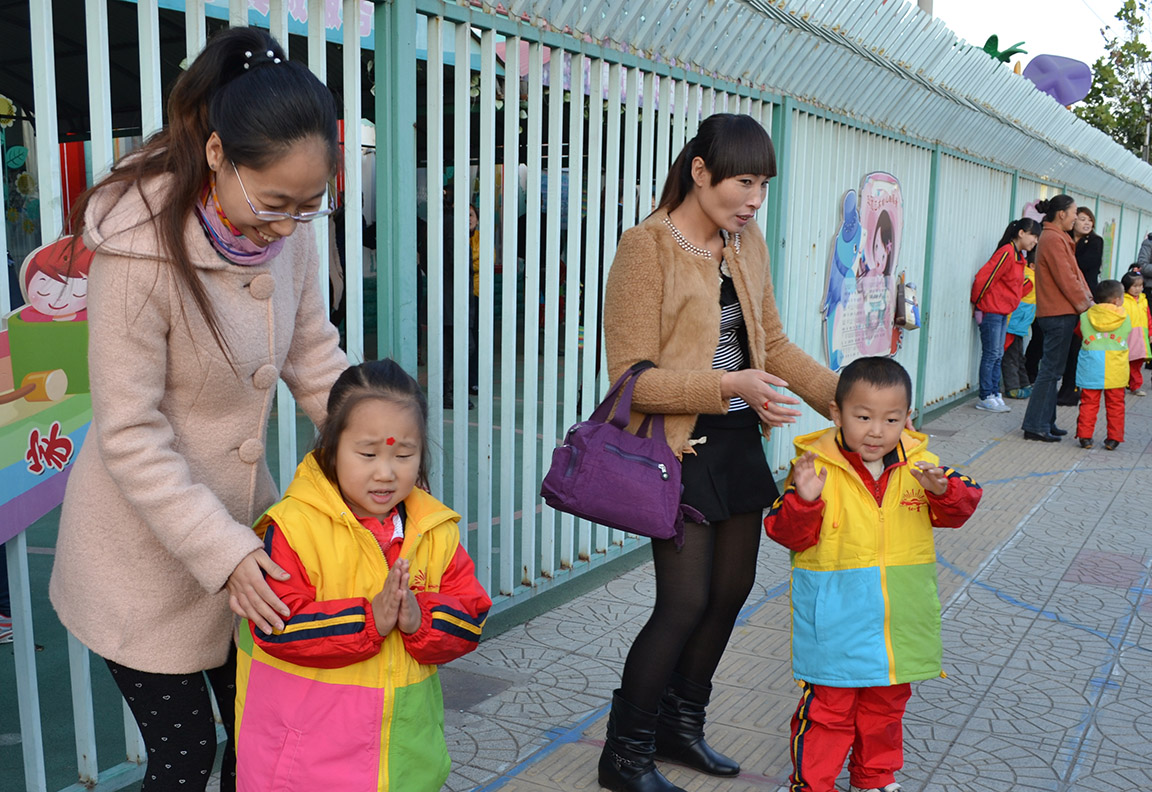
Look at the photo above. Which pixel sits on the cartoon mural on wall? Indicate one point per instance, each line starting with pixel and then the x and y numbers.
pixel 45 407
pixel 859 298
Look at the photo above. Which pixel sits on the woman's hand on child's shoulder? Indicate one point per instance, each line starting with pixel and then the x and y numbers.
pixel 931 477
pixel 809 484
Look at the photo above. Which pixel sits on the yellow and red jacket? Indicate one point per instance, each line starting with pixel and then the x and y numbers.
pixel 327 702
pixel 1103 361
pixel 1137 310
pixel 865 609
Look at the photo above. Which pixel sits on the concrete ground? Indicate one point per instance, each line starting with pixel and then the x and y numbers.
pixel 1047 642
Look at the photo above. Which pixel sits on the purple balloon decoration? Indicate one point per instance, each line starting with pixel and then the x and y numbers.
pixel 1064 79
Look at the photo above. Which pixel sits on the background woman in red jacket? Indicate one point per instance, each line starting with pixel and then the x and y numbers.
pixel 996 292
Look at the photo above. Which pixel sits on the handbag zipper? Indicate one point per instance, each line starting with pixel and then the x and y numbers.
pixel 637 458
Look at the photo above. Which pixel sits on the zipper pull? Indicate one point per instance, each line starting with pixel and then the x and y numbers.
pixel 663 471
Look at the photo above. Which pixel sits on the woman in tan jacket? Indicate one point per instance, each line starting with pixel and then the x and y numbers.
pixel 690 290
pixel 200 298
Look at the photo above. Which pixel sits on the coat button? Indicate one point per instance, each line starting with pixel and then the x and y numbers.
pixel 262 286
pixel 251 451
pixel 265 376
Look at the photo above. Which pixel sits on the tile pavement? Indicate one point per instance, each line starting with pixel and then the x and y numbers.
pixel 1047 643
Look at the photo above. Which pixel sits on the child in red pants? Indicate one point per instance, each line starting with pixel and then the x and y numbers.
pixel 1102 369
pixel 867 564
pixel 1136 306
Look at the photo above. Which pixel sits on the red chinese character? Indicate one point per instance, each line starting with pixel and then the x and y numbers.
pixel 51 451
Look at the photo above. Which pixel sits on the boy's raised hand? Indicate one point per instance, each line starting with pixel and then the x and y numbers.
pixel 931 477
pixel 809 484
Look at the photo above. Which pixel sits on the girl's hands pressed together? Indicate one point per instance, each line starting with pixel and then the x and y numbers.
pixel 931 477
pixel 809 484
pixel 395 605
pixel 755 387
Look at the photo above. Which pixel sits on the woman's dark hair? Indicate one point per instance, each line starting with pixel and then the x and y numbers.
pixel 375 379
pixel 1025 225
pixel 1057 203
pixel 1130 277
pixel 1084 210
pixel 885 232
pixel 730 145
pixel 243 87
pixel 880 372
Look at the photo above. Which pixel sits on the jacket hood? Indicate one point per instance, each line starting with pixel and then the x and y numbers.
pixel 1106 317
pixel 311 487
pixel 823 444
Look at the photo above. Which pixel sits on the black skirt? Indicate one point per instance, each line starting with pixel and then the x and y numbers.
pixel 728 475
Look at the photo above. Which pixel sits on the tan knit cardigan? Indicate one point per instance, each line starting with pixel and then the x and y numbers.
pixel 163 493
pixel 662 303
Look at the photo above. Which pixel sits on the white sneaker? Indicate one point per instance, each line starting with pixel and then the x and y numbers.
pixel 989 405
pixel 1000 400
pixel 893 787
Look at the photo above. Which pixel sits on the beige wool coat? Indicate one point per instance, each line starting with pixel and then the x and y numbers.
pixel 172 474
pixel 662 303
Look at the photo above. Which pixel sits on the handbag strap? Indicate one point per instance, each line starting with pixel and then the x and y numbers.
pixel 620 396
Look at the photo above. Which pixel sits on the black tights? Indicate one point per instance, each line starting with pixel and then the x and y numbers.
pixel 174 714
pixel 700 590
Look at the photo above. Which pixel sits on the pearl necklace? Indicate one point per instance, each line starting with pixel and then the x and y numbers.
pixel 683 242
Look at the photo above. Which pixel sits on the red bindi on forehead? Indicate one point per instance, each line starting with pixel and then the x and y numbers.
pixel 391 441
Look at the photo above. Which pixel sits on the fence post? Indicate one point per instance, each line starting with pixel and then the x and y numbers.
pixel 395 26
pixel 926 289
pixel 777 194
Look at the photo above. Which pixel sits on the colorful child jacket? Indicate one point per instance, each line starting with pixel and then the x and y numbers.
pixel 865 611
pixel 1020 322
pixel 327 703
pixel 1103 362
pixel 1137 310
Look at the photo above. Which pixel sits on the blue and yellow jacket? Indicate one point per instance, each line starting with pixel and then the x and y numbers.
pixel 1103 361
pixel 328 702
pixel 865 610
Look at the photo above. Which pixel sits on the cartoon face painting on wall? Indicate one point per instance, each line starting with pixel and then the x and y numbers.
pixel 54 279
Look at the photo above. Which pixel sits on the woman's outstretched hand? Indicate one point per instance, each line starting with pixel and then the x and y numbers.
pixel 249 595
pixel 756 387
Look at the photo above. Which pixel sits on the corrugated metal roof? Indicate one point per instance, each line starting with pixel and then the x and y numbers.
pixel 881 62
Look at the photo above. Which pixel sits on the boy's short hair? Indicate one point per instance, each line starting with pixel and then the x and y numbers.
pixel 1107 291
pixel 880 372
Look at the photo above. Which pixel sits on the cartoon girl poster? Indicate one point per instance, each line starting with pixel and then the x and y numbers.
pixel 863 324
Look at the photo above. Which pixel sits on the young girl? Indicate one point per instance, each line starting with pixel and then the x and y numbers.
pixel 346 695
pixel 1013 366
pixel 1136 306
pixel 996 292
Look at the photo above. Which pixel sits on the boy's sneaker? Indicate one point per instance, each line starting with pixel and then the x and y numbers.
pixel 1111 444
pixel 5 629
pixel 1140 392
pixel 1085 442
pixel 893 787
pixel 992 404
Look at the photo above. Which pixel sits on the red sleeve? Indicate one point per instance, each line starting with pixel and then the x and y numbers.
pixel 452 618
pixel 955 506
pixel 793 521
pixel 318 634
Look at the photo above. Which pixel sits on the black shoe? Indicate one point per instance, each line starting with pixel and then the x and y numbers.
pixel 1085 442
pixel 1057 431
pixel 1044 438
pixel 1111 444
pixel 680 729
pixel 626 763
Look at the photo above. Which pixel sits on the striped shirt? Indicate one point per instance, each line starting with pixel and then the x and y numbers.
pixel 732 349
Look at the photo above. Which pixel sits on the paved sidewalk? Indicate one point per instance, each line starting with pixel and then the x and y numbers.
pixel 1047 642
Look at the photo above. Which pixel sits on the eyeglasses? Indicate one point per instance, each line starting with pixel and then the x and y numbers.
pixel 271 217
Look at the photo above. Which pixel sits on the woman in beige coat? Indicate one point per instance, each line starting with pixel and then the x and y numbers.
pixel 201 297
pixel 690 291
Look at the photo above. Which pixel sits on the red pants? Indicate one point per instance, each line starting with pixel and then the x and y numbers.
pixel 1113 410
pixel 829 721
pixel 1135 378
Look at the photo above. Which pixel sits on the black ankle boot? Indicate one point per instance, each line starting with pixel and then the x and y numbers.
pixel 680 729
pixel 626 763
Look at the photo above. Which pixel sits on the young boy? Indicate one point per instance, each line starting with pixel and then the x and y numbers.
pixel 1103 364
pixel 857 514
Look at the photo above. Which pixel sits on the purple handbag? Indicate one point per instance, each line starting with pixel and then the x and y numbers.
pixel 608 475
